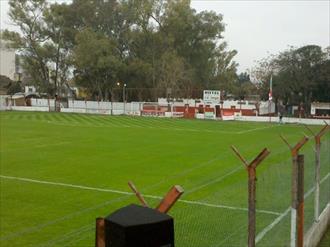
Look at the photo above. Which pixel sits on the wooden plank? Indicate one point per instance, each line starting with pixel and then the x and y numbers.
pixel 171 197
pixel 100 233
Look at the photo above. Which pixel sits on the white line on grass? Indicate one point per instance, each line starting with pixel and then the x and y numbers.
pixel 60 219
pixel 36 146
pixel 285 213
pixel 219 179
pixel 270 226
pixel 131 124
pixel 67 185
pixel 150 127
pixel 130 193
pixel 226 207
pixel 67 236
pixel 214 181
pixel 255 129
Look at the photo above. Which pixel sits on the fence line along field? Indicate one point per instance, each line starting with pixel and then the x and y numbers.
pixel 60 171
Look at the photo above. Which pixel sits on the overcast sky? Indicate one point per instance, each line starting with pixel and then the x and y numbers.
pixel 259 28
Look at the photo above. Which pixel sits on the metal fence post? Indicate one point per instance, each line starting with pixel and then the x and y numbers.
pixel 251 169
pixel 300 200
pixel 48 104
pixel 295 218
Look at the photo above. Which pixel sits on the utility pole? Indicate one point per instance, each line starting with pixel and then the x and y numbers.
pixel 124 97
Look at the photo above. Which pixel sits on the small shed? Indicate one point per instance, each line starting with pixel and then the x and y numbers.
pixel 320 110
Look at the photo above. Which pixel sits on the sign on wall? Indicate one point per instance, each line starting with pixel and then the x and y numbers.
pixel 211 96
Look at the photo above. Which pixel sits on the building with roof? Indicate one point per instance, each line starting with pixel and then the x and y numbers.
pixel 7 61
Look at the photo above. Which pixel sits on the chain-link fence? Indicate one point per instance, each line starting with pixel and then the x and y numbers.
pixel 214 209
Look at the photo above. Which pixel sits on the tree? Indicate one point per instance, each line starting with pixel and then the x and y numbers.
pixel 173 74
pixel 298 75
pixel 244 86
pixel 9 86
pixel 58 45
pixel 146 43
pixel 28 16
pixel 97 63
pixel 225 71
pixel 99 24
pixel 196 38
pixel 321 87
pixel 40 42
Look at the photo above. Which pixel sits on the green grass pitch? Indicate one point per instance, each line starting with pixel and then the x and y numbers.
pixel 60 171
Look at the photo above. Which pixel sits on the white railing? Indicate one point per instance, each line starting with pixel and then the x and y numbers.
pixel 133 108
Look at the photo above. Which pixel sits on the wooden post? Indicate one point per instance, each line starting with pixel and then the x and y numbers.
pixel 252 206
pixel 294 202
pixel 294 190
pixel 251 169
pixel 168 201
pixel 171 197
pixel 317 139
pixel 138 194
pixel 100 233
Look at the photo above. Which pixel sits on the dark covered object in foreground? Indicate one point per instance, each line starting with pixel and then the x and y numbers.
pixel 136 226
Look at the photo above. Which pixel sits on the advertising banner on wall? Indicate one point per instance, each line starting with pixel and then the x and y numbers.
pixel 211 96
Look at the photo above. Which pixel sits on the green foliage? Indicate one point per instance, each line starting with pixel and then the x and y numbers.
pixel 8 86
pixel 43 52
pixel 27 15
pixel 97 62
pixel 299 75
pixel 147 44
pixel 151 44
pixel 244 86
pixel 4 81
pixel 195 38
pixel 14 87
pixel 156 44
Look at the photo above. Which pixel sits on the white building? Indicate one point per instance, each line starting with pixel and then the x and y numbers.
pixel 7 61
pixel 30 89
pixel 320 109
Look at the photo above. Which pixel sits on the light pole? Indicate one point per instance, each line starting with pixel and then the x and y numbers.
pixel 124 95
pixel 124 98
pixel 300 107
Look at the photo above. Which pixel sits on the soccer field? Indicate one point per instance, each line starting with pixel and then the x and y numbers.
pixel 60 171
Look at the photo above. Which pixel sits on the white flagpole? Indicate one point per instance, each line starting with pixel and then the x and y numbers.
pixel 270 96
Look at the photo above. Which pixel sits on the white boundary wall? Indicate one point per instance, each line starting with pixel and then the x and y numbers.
pixel 3 104
pixel 30 108
pixel 42 102
pixel 134 108
pixel 102 107
pixel 265 107
pixel 228 104
pixel 314 235
pixel 308 121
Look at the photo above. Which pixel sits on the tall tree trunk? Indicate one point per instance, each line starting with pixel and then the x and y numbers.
pixel 57 63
